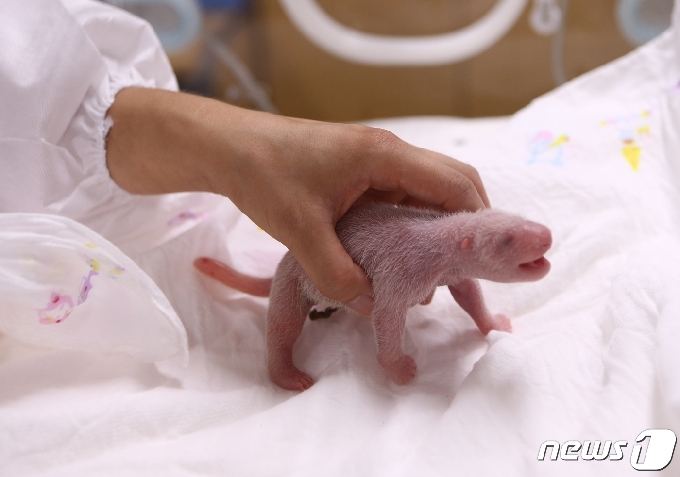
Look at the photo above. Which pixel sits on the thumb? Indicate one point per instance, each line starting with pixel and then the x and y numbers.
pixel 332 270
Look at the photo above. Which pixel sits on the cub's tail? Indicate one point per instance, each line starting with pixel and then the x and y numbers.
pixel 233 279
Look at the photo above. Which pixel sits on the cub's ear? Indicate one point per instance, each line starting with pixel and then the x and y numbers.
pixel 466 243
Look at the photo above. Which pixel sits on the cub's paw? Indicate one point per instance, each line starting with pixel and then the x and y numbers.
pixel 402 370
pixel 292 379
pixel 501 323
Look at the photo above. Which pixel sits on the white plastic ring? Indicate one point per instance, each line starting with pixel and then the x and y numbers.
pixel 384 50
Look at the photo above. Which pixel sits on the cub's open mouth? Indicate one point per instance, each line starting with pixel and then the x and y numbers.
pixel 538 263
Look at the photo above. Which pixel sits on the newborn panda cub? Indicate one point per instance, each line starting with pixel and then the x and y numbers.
pixel 406 252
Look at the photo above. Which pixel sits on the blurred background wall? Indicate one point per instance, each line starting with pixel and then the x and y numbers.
pixel 304 81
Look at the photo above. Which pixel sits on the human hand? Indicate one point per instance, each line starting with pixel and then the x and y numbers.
pixel 304 176
pixel 294 178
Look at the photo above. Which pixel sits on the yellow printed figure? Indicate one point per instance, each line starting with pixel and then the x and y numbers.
pixel 115 272
pixel 632 152
pixel 562 139
pixel 633 130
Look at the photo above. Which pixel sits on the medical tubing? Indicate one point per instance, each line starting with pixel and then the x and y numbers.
pixel 558 42
pixel 242 73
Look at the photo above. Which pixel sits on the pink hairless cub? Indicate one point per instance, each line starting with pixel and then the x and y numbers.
pixel 407 253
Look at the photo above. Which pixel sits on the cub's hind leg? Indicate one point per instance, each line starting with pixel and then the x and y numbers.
pixel 389 325
pixel 286 316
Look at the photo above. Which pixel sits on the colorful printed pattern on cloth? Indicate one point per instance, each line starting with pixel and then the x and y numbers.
pixel 546 147
pixel 633 131
pixel 61 306
pixel 57 310
pixel 186 216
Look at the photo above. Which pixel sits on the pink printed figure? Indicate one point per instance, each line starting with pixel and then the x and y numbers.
pixel 181 217
pixel 407 253
pixel 60 306
pixel 57 310
pixel 185 216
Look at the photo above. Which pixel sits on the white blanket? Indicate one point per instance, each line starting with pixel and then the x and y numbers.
pixel 593 353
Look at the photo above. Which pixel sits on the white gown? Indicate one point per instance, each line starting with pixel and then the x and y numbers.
pixel 61 65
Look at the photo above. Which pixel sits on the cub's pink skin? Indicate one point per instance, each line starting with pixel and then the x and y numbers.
pixel 407 253
pixel 230 277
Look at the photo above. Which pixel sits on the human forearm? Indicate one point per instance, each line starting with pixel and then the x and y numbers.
pixel 295 178
pixel 163 141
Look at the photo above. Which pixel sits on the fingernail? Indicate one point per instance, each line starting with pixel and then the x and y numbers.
pixel 363 304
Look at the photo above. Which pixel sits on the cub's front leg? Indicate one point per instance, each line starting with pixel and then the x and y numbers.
pixel 468 294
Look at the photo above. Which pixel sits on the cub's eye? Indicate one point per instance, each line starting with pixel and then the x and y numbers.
pixel 506 240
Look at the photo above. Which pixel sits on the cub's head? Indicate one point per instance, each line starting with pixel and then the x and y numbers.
pixel 502 247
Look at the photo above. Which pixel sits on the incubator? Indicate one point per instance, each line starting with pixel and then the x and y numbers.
pixel 353 61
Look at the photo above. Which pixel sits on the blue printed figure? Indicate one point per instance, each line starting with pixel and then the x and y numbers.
pixel 545 148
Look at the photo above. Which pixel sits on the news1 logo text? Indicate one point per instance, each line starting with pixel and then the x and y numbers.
pixel 657 455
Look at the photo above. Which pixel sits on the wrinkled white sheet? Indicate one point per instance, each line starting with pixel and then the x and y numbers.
pixel 64 286
pixel 593 355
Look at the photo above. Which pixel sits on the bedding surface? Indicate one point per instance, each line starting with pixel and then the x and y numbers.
pixel 592 356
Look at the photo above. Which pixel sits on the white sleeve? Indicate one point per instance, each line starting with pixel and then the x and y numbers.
pixel 61 64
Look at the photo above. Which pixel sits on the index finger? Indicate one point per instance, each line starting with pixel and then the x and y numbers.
pixel 435 182
pixel 465 169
